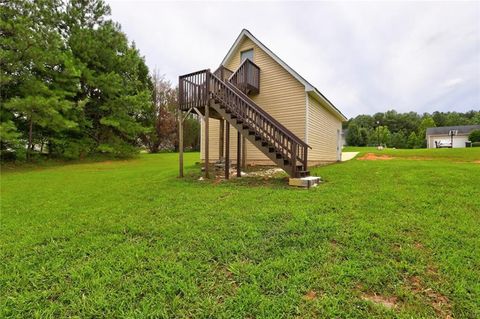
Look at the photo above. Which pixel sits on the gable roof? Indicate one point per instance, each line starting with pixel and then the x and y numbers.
pixel 443 130
pixel 309 88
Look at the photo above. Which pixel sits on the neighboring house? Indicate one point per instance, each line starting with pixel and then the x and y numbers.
pixel 440 136
pixel 283 118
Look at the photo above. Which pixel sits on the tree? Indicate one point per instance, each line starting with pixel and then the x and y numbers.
pixel 38 76
pixel 382 135
pixel 160 116
pixel 191 131
pixel 476 118
pixel 426 122
pixel 114 81
pixel 412 140
pixel 353 135
pixel 474 136
pixel 398 140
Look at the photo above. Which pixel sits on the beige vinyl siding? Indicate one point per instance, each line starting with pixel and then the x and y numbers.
pixel 281 95
pixel 322 133
pixel 214 134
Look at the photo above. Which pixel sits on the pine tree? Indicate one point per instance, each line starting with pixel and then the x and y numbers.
pixel 38 76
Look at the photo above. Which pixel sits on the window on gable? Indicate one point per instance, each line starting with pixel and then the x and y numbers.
pixel 247 54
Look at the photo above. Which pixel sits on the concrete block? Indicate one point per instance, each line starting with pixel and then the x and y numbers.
pixel 310 181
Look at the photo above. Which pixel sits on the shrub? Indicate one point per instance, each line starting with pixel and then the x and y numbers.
pixel 474 136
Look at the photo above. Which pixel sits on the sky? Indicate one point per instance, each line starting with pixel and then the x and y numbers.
pixel 365 57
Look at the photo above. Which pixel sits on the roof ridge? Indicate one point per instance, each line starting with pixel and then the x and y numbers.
pixel 308 87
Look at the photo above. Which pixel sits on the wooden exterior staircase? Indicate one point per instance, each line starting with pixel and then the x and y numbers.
pixel 225 92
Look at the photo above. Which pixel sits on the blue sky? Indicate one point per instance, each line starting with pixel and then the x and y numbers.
pixel 366 57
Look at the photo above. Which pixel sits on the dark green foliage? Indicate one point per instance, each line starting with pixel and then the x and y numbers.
pixel 474 136
pixel 412 141
pixel 396 128
pixel 72 85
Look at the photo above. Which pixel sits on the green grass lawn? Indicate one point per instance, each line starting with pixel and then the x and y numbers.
pixel 127 239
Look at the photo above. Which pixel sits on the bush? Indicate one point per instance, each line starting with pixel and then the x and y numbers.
pixel 474 136
pixel 476 144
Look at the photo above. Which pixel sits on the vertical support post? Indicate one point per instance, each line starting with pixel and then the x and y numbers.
pixel 305 159
pixel 221 139
pixel 239 153
pixel 244 153
pixel 207 146
pixel 227 150
pixel 180 144
pixel 207 122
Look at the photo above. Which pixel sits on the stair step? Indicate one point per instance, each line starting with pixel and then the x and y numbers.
pixel 278 155
pixel 271 149
pixel 245 126
pixel 257 138
pixel 265 144
pixel 251 132
pixel 239 121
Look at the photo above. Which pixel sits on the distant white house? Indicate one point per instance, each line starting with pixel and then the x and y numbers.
pixel 438 137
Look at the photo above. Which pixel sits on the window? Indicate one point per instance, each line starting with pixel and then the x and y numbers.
pixel 248 54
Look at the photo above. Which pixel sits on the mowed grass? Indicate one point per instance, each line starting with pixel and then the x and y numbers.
pixel 128 239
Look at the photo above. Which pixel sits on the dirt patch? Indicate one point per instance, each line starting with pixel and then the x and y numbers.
pixel 387 302
pixel 440 303
pixel 419 245
pixel 270 172
pixel 477 162
pixel 310 295
pixel 375 157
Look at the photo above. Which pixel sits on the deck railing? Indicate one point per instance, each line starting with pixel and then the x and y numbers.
pixel 193 90
pixel 247 77
pixel 223 73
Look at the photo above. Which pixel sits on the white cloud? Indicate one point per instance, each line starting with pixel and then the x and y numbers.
pixel 365 57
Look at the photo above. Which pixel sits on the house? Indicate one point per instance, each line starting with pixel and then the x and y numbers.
pixel 442 136
pixel 262 110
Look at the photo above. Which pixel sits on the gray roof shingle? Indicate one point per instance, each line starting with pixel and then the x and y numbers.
pixel 462 129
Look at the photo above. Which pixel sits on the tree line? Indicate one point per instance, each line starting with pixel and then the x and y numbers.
pixel 72 86
pixel 402 130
